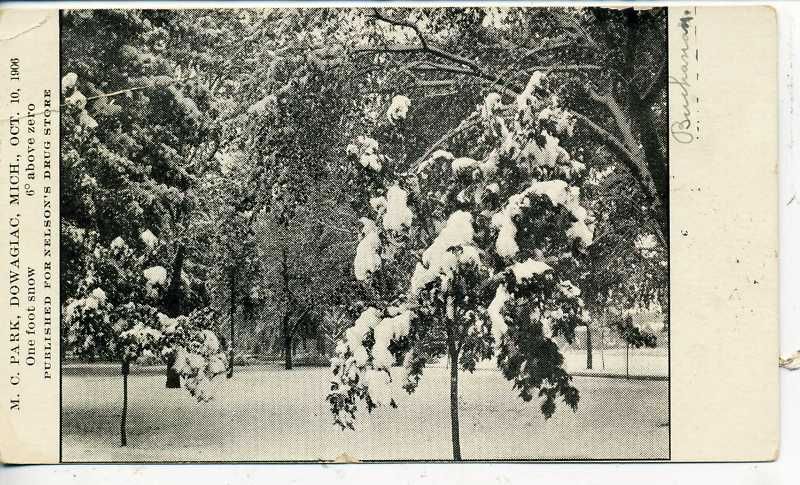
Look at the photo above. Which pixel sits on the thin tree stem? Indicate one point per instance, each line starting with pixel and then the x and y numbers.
pixel 124 418
pixel 452 351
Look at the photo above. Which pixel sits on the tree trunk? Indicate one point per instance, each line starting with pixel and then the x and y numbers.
pixel 172 297
pixel 588 346
pixel 602 345
pixel 232 345
pixel 287 317
pixel 640 112
pixel 627 369
pixel 173 377
pixel 122 425
pixel 172 307
pixel 287 350
pixel 454 425
pixel 286 331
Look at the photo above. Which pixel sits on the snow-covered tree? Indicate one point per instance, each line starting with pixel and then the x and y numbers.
pixel 147 108
pixel 628 264
pixel 113 317
pixel 468 253
pixel 634 336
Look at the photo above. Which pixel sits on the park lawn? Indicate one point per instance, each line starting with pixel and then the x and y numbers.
pixel 641 362
pixel 269 414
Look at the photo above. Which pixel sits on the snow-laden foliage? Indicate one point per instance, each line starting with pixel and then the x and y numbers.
pixel 191 341
pixel 115 317
pixel 493 227
pixel 398 215
pixel 366 149
pixel 398 109
pixel 149 238
pixel 368 259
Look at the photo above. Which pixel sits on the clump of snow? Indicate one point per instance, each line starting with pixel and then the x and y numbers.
pixel 563 120
pixel 78 99
pixel 495 18
pixel 421 277
pixel 489 166
pixel 565 123
pixel 506 243
pixel 582 232
pixel 377 203
pixel 149 238
pixel 645 242
pixel 390 328
pixel 577 167
pixel 137 337
pixel 490 105
pixel 568 289
pixel 99 295
pixel 91 303
pixel 495 310
pixel 86 120
pixel 524 98
pixel 398 216
pixel 529 268
pixel 493 187
pixel 556 190
pixel 398 109
pixel 72 308
pixel 354 336
pixel 184 363
pixel 463 163
pixel 68 81
pixel 442 154
pixel 217 364
pixel 439 260
pixel 168 325
pixel 156 277
pixel 551 153
pixel 118 243
pixel 210 342
pixel 458 231
pixel 141 334
pixel 647 245
pixel 263 105
pixel 368 258
pixel 366 149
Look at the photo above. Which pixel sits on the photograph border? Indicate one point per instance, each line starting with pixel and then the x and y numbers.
pixel 355 460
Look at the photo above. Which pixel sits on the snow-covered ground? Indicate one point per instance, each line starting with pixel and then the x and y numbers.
pixel 648 363
pixel 266 413
pixel 641 362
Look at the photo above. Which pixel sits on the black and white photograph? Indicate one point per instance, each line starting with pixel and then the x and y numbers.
pixel 364 234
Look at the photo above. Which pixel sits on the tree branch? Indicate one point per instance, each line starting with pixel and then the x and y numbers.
pixel 569 23
pixel 467 123
pixel 622 122
pixel 424 45
pixel 659 81
pixel 121 91
pixel 400 23
pixel 607 137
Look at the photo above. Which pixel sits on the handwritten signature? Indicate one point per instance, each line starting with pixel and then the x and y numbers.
pixel 680 130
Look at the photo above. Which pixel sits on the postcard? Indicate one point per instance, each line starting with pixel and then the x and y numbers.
pixel 389 233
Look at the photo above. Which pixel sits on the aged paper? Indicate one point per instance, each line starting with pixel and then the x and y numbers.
pixel 389 234
pixel 726 253
pixel 29 422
